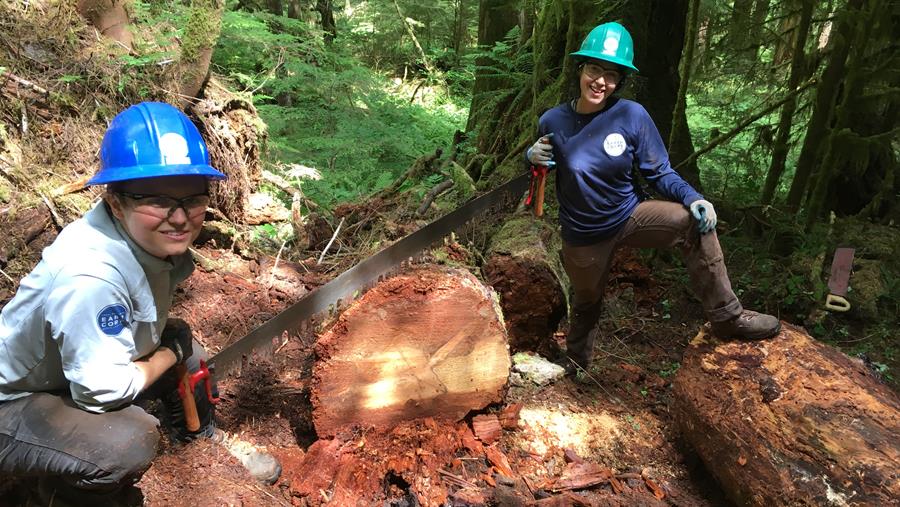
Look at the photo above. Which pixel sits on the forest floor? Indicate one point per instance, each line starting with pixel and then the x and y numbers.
pixel 618 419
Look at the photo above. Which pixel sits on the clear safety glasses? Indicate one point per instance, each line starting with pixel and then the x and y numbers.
pixel 594 72
pixel 163 206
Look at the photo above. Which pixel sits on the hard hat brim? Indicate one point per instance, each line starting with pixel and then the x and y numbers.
pixel 114 174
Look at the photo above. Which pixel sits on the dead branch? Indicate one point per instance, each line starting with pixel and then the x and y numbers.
pixel 422 165
pixel 330 241
pixel 70 188
pixel 432 194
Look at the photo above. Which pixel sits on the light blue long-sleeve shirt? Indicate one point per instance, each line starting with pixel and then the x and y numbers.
pixel 94 304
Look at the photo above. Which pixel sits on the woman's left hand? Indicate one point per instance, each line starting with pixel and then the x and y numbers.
pixel 705 214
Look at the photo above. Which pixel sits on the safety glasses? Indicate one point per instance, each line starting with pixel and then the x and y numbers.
pixel 594 72
pixel 163 206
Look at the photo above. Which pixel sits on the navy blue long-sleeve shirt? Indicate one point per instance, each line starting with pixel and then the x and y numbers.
pixel 594 154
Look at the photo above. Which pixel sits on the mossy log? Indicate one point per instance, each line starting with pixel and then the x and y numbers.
pixel 523 266
pixel 789 421
pixel 428 342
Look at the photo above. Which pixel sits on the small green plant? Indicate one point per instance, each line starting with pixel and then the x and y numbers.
pixel 669 369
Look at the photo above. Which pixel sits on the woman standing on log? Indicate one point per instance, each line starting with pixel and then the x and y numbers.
pixel 87 333
pixel 593 141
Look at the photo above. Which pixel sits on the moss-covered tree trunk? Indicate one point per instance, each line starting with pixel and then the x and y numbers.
pixel 200 36
pixel 842 137
pixel 826 95
pixel 495 19
pixel 781 146
pixel 524 268
pixel 680 145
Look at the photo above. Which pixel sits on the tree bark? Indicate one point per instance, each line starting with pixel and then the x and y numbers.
pixel 494 22
pixel 658 29
pixel 523 267
pixel 679 118
pixel 426 343
pixel 781 147
pixel 526 21
pixel 326 15
pixel 858 42
pixel 789 421
pixel 275 7
pixel 200 36
pixel 109 17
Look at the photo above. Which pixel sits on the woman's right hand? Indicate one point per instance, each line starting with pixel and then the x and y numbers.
pixel 541 152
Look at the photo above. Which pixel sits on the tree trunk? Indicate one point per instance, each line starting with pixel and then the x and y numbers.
pixel 326 14
pixel 680 136
pixel 294 10
pixel 275 7
pixel 738 26
pixel 523 266
pixel 200 36
pixel 658 29
pixel 426 343
pixel 758 24
pixel 826 96
pixel 781 146
pixel 789 421
pixel 526 21
pixel 494 22
pixel 853 78
pixel 109 17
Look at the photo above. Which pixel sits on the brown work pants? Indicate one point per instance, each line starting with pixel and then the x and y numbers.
pixel 654 224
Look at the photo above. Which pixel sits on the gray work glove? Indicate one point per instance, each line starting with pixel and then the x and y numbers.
pixel 705 214
pixel 178 338
pixel 541 152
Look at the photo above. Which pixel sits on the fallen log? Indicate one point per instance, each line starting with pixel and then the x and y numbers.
pixel 789 421
pixel 426 343
pixel 523 266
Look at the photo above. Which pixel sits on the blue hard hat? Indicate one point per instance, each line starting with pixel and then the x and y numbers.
pixel 152 139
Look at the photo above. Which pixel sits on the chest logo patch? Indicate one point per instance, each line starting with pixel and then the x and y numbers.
pixel 614 144
pixel 112 319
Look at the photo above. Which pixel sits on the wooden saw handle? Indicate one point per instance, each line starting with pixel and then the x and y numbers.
pixel 539 198
pixel 191 418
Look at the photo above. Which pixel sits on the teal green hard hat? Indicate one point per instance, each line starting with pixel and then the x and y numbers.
pixel 609 42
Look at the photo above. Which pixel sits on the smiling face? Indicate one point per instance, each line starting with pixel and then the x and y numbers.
pixel 597 82
pixel 160 231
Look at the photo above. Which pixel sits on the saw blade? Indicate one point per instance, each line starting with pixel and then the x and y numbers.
pixel 351 283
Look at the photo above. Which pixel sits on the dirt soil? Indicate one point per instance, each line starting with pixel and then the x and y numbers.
pixel 619 419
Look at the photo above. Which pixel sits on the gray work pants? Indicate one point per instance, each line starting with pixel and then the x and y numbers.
pixel 47 435
pixel 654 224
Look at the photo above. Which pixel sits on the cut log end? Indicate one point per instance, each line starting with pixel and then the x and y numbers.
pixel 427 343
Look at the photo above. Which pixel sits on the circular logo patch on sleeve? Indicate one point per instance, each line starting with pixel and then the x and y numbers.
pixel 112 319
pixel 614 144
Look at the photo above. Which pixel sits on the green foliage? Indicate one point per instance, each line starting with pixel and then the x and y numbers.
pixel 349 122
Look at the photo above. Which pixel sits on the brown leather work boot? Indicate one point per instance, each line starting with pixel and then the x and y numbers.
pixel 747 326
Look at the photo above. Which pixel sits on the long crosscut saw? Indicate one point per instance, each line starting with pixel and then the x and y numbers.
pixel 353 282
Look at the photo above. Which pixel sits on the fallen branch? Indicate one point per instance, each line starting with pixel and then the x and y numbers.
pixel 330 241
pixel 70 188
pixel 432 195
pixel 420 166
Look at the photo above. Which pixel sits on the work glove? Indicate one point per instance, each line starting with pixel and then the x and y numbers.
pixel 541 152
pixel 177 337
pixel 703 211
